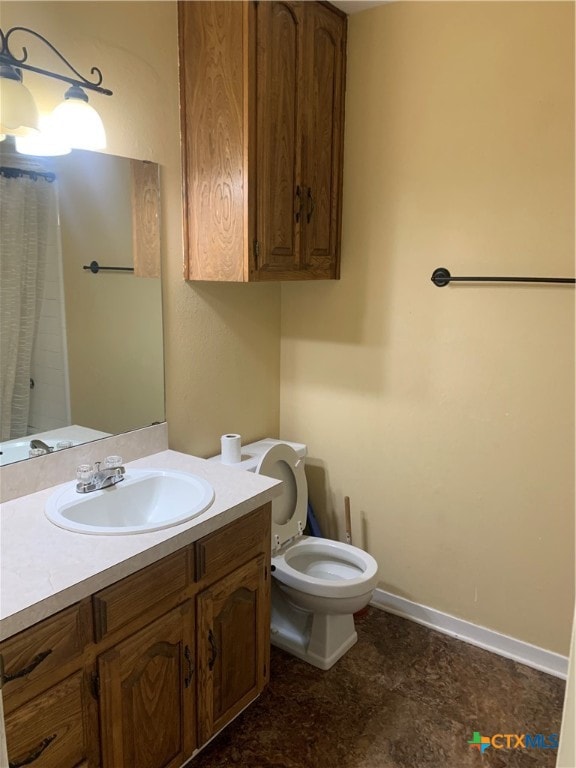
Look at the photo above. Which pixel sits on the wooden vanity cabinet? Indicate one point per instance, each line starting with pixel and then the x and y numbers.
pixel 49 712
pixel 262 116
pixel 232 619
pixel 148 669
pixel 232 650
pixel 54 729
pixel 147 695
pixel 144 668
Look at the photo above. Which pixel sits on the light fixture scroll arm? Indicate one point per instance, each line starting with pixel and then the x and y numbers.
pixel 7 57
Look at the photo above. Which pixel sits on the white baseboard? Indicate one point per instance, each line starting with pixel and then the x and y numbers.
pixel 489 639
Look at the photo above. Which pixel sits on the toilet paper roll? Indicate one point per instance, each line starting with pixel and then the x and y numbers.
pixel 231 449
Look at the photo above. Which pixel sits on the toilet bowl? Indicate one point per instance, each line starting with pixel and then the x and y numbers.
pixel 325 576
pixel 318 584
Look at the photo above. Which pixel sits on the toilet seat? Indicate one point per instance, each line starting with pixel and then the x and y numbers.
pixel 290 509
pixel 326 568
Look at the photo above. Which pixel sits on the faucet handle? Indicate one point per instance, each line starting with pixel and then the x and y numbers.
pixel 113 462
pixel 84 474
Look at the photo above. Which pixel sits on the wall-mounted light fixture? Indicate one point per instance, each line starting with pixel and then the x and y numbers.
pixel 74 122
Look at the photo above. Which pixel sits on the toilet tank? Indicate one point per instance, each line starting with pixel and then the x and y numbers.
pixel 252 452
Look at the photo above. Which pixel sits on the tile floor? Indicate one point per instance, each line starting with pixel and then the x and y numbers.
pixel 403 697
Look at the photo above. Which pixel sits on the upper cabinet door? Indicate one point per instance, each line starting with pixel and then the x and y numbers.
pixel 214 135
pixel 262 103
pixel 279 53
pixel 323 116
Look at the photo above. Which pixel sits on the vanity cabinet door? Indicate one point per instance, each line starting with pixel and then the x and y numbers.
pixel 233 644
pixel 147 691
pixel 40 656
pixel 54 730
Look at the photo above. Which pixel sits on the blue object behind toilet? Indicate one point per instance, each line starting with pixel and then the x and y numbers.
pixel 313 525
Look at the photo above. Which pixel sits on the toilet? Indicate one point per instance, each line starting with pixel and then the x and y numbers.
pixel 317 583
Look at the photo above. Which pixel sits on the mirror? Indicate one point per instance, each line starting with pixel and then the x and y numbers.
pixel 94 359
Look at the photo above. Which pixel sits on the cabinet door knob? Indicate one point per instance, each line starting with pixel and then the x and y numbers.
pixel 311 205
pixel 214 648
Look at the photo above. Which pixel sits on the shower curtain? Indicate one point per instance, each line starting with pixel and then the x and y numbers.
pixel 26 202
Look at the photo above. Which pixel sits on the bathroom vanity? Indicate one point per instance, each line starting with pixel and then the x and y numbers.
pixel 148 645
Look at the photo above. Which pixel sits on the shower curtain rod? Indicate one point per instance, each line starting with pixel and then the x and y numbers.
pixel 14 173
pixel 441 277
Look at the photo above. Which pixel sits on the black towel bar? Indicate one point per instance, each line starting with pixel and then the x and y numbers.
pixel 441 277
pixel 94 267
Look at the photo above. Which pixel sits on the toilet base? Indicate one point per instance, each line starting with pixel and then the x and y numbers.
pixel 319 639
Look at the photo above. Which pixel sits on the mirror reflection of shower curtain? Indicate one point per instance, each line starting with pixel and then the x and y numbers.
pixel 26 203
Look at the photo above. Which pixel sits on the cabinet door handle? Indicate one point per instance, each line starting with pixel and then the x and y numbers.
pixel 214 648
pixel 299 204
pixel 188 657
pixel 6 677
pixel 311 205
pixel 33 755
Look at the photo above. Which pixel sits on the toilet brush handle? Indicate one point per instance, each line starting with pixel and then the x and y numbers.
pixel 347 520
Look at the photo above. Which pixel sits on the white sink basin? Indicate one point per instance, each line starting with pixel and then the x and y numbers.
pixel 146 500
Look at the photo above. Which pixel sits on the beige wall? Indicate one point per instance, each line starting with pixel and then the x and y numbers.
pixel 221 342
pixel 447 415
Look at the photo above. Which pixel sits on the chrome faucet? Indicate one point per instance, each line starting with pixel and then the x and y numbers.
pixel 38 444
pixel 95 479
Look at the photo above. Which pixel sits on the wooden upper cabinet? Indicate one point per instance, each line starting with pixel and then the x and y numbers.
pixel 262 110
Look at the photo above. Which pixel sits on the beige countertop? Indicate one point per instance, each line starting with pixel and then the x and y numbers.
pixel 45 568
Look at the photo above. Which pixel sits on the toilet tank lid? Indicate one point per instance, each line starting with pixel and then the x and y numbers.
pixel 261 446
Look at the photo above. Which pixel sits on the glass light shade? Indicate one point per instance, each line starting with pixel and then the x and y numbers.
pixel 47 142
pixel 18 112
pixel 78 124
